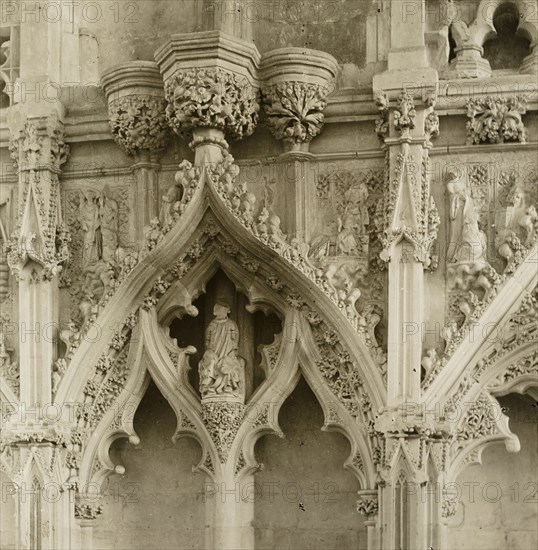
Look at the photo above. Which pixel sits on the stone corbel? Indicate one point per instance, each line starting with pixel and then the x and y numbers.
pixel 297 82
pixel 136 109
pixel 211 85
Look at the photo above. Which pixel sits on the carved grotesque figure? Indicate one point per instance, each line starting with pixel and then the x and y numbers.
pixel 221 369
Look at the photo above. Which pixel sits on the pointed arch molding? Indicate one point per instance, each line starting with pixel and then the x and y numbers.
pixel 139 282
pixel 153 353
pixel 486 337
pixel 480 424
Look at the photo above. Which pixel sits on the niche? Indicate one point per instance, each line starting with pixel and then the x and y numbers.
pixel 256 331
pixel 304 496
pixel 507 49
pixel 159 500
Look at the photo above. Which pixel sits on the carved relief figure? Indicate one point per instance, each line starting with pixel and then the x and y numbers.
pixel 99 215
pixel 170 198
pixel 90 222
pixel 518 228
pixel 467 241
pixel 221 369
pixel 344 231
pixel 101 251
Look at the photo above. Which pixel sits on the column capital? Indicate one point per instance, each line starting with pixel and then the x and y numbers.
pixel 297 82
pixel 211 82
pixel 368 503
pixel 136 107
pixel 37 137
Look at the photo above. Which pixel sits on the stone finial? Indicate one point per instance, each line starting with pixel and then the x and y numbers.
pixel 136 107
pixel 297 82
pixel 211 84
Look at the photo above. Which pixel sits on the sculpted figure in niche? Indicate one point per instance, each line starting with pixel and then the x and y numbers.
pixel 221 369
pixel 467 241
pixel 169 200
pixel 91 224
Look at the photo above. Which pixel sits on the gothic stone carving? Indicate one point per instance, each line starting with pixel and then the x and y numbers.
pixel 211 98
pixel 495 120
pixel 346 196
pixel 295 110
pixel 8 369
pixel 405 114
pixel 223 420
pixel 468 268
pixel 138 123
pixel 368 504
pixel 222 371
pixel 40 234
pixel 518 229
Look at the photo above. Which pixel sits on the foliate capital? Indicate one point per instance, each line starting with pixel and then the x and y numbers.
pixel 211 98
pixel 136 107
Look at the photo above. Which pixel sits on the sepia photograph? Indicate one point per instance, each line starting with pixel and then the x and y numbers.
pixel 269 275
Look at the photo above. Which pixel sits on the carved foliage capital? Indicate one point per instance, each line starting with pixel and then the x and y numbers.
pixel 496 120
pixel 138 122
pixel 87 511
pixel 211 98
pixel 367 504
pixel 295 110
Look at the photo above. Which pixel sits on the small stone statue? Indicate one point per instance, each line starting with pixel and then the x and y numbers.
pixel 221 369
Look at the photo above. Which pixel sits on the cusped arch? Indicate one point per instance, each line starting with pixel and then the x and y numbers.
pixel 139 282
pixel 153 353
pixel 299 355
pixel 486 13
pixel 481 424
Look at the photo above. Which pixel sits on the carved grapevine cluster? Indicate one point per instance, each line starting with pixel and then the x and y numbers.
pixel 211 98
pixel 139 122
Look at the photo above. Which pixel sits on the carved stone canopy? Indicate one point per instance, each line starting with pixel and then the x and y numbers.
pixel 136 106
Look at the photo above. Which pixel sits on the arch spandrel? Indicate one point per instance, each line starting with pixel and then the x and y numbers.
pixel 495 333
pixel 153 353
pixel 165 257
pixel 481 424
